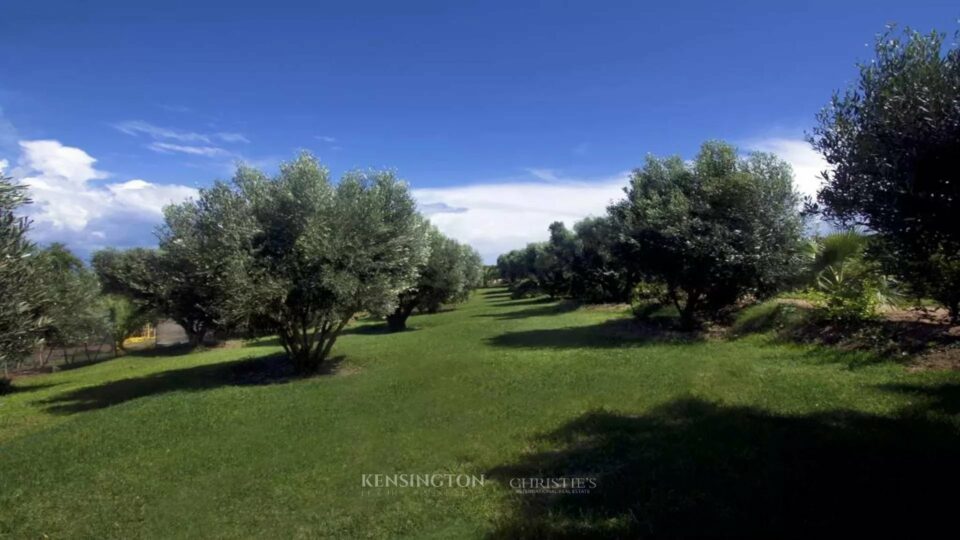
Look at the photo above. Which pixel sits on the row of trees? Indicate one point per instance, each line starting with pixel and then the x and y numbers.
pixel 697 235
pixel 297 255
pixel 706 234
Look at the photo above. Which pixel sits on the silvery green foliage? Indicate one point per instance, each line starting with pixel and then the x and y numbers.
pixel 303 255
pixel 472 264
pixel 446 276
pixel 22 300
pixel 73 306
pixel 714 230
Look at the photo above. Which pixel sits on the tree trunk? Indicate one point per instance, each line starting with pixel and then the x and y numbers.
pixel 308 350
pixel 196 336
pixel 397 320
pixel 688 315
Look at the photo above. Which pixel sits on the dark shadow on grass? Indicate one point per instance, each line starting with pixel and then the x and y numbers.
pixel 941 398
pixel 178 349
pixel 263 342
pixel 694 468
pixel 17 389
pixel 612 333
pixel 526 301
pixel 272 369
pixel 867 342
pixel 495 289
pixel 374 330
pixel 542 311
pixel 364 329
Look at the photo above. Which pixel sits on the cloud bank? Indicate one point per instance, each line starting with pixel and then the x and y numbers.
pixel 68 205
pixel 497 217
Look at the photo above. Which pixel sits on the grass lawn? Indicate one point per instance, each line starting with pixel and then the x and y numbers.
pixel 709 437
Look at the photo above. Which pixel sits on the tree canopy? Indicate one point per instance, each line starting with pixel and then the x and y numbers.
pixel 303 256
pixel 893 143
pixel 21 297
pixel 713 230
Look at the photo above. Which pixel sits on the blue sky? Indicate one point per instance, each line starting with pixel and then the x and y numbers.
pixel 501 115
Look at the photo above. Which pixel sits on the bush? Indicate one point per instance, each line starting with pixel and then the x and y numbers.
pixel 848 296
pixel 6 386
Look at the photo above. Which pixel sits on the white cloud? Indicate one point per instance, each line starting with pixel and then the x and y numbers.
pixel 68 207
pixel 208 151
pixel 72 165
pixel 497 217
pixel 139 127
pixel 808 165
pixel 326 138
pixel 232 137
pixel 3 165
pixel 142 196
pixel 160 134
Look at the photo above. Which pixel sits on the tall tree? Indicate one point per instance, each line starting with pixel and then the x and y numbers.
pixel 22 300
pixel 199 242
pixel 714 230
pixel 317 253
pixel 893 142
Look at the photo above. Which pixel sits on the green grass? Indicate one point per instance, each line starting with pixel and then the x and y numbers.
pixel 687 436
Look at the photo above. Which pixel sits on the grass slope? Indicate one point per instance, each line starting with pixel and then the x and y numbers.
pixel 683 437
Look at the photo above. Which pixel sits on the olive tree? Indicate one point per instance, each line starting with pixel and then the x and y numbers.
pixel 198 245
pixel 893 143
pixel 182 280
pixel 714 230
pixel 157 283
pixel 599 274
pixel 308 255
pixel 447 275
pixel 73 309
pixel 22 300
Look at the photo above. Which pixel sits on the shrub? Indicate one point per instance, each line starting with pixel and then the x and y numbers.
pixel 849 296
